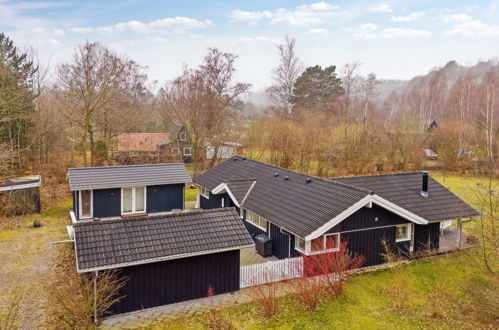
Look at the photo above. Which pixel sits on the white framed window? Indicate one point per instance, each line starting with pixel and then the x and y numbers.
pixel 300 244
pixel 187 151
pixel 86 204
pixel 183 136
pixel 325 243
pixel 175 151
pixel 256 220
pixel 204 192
pixel 133 200
pixel 403 232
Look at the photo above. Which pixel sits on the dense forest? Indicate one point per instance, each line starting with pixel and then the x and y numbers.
pixel 321 120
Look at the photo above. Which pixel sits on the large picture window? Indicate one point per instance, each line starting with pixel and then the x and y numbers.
pixel 256 220
pixel 205 192
pixel 133 200
pixel 326 243
pixel 86 208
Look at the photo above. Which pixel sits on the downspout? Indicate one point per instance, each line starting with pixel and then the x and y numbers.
pixel 95 296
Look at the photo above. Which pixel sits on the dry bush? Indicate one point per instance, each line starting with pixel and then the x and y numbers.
pixel 215 319
pixel 71 302
pixel 333 267
pixel 266 294
pixel 310 290
pixel 17 202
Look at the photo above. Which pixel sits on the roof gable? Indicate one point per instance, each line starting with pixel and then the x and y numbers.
pixel 120 243
pixel 103 177
pixel 297 202
pixel 404 190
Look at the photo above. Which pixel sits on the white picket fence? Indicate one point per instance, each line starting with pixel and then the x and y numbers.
pixel 271 271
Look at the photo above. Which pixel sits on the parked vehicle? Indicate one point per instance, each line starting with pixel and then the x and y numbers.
pixel 430 154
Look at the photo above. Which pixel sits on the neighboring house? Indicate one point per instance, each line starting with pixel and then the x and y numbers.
pixel 127 190
pixel 178 146
pixel 140 146
pixel 165 259
pixel 225 150
pixel 305 215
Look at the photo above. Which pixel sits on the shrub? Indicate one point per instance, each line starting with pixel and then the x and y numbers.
pixel 266 294
pixel 215 319
pixel 333 267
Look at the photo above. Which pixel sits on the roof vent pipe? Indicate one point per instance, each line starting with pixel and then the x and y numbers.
pixel 276 175
pixel 286 177
pixel 424 186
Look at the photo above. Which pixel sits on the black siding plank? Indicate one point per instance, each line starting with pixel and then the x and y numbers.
pixel 162 198
pixel 168 282
pixel 426 234
pixel 280 242
pixel 368 243
pixel 366 218
pixel 107 202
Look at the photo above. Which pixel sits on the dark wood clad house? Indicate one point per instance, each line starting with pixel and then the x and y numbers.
pixel 305 215
pixel 167 258
pixel 126 191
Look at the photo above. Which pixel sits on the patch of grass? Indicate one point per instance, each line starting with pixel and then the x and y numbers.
pixel 191 194
pixel 369 303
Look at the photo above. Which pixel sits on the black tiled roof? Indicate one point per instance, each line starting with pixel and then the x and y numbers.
pixel 239 188
pixel 404 189
pixel 287 199
pixel 102 177
pixel 125 242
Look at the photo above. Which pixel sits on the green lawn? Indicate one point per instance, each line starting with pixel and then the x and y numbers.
pixel 191 194
pixel 425 294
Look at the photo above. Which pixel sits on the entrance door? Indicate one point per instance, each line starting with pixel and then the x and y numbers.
pixel 86 204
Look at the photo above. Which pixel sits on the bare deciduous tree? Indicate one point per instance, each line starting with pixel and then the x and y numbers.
pixel 285 76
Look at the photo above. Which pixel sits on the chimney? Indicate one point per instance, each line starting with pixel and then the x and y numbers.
pixel 424 187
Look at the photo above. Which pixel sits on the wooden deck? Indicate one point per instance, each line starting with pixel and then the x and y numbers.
pixel 449 240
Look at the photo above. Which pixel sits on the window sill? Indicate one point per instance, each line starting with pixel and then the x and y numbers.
pixel 133 215
pixel 300 250
pixel 323 251
pixel 402 240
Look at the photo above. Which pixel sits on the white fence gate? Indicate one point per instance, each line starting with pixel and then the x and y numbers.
pixel 271 271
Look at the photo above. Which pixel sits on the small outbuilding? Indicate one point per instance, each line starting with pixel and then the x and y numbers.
pixel 126 191
pixel 20 195
pixel 166 259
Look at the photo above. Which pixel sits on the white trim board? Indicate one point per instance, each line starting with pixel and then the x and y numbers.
pixel 221 188
pixel 20 186
pixel 366 201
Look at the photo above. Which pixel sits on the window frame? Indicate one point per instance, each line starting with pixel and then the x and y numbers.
pixel 134 199
pixel 324 240
pixel 253 222
pixel 206 193
pixel 408 231
pixel 183 136
pixel 177 151
pixel 298 247
pixel 187 154
pixel 80 204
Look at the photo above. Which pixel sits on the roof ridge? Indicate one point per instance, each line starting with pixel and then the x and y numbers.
pixel 123 166
pixel 326 180
pixel 149 217
pixel 249 179
pixel 373 175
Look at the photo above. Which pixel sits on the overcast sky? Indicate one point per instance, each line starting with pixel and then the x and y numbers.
pixel 394 39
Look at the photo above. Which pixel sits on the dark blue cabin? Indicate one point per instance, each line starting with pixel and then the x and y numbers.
pixel 198 255
pixel 127 191
pixel 306 215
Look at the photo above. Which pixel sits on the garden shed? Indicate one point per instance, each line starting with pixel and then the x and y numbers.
pixel 20 195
